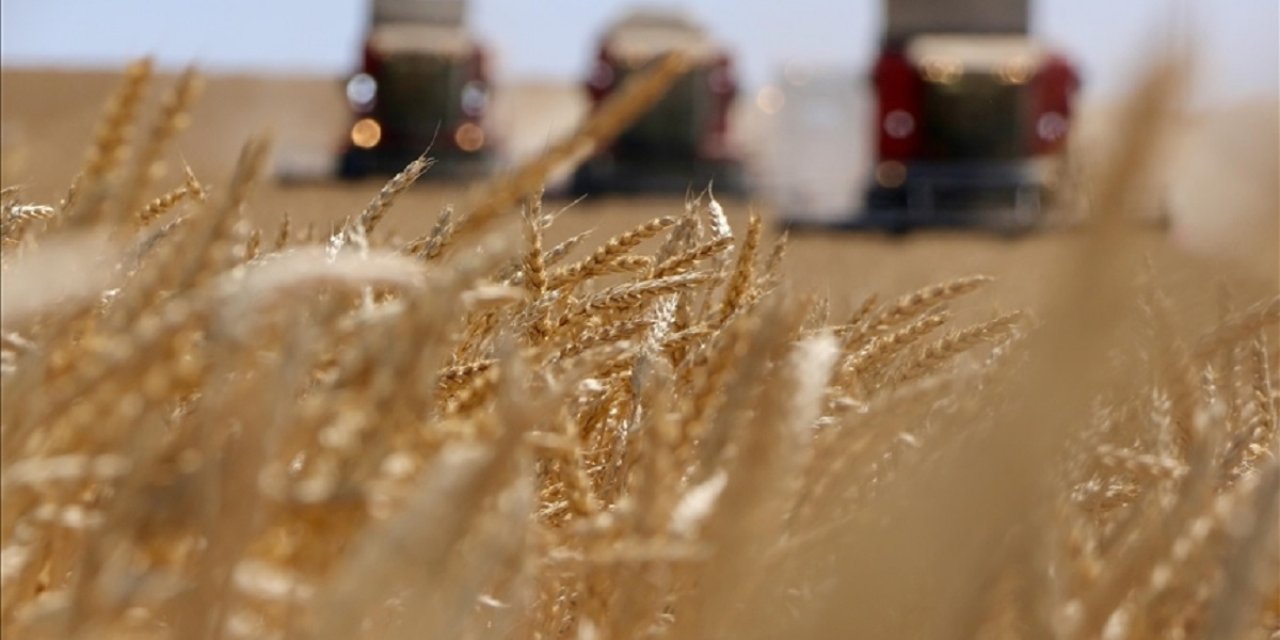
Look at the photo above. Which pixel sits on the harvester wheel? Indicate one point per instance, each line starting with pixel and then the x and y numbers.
pixel 897 228
pixel 354 165
pixel 582 183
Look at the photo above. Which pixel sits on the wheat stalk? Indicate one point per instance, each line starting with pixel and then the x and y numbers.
pixel 470 435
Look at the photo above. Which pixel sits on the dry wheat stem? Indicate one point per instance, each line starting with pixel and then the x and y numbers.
pixel 225 433
pixel 621 108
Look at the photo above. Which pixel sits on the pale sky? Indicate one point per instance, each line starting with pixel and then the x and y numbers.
pixel 1239 40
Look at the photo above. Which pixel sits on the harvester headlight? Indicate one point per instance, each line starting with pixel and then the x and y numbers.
pixel 1051 126
pixel 475 98
pixel 899 124
pixel 361 91
pixel 366 133
pixel 469 137
pixel 942 70
pixel 1015 71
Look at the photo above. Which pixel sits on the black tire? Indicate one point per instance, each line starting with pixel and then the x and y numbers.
pixel 588 181
pixel 581 184
pixel 355 164
pixel 729 179
pixel 897 228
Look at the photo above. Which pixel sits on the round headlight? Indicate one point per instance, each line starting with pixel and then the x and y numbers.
pixel 469 137
pixel 1051 126
pixel 366 133
pixel 475 98
pixel 899 124
pixel 361 90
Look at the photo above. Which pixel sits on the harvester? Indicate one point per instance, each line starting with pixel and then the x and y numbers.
pixel 971 118
pixel 683 140
pixel 422 83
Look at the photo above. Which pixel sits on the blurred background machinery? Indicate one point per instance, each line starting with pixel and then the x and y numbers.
pixel 683 142
pixel 822 142
pixel 972 115
pixel 422 82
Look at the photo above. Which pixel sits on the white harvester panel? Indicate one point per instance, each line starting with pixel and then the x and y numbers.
pixel 904 18
pixel 820 145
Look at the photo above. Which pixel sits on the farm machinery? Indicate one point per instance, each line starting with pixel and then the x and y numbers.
pixel 422 83
pixel 683 140
pixel 971 118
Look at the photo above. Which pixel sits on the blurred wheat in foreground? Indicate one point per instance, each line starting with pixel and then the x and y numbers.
pixel 213 431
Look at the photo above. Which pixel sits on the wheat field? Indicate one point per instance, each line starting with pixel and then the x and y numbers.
pixel 238 410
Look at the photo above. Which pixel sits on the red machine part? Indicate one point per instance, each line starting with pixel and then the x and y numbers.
pixel 1053 89
pixel 602 79
pixel 899 90
pixel 724 89
pixel 478 78
pixel 371 59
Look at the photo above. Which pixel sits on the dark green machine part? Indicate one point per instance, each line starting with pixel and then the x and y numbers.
pixel 672 129
pixel 660 152
pixel 976 117
pixel 418 93
pixel 420 103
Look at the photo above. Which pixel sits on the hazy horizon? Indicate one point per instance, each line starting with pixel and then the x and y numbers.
pixel 1237 41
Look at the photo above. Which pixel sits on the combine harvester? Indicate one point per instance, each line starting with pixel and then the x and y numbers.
pixel 423 82
pixel 683 141
pixel 971 120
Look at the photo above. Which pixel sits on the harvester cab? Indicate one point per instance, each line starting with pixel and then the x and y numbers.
pixel 422 82
pixel 972 116
pixel 683 141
